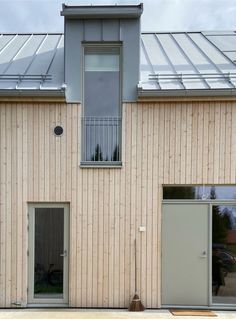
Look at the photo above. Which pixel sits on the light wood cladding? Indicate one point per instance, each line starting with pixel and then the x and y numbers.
pixel 163 143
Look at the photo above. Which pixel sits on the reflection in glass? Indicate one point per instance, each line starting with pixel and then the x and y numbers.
pixel 211 192
pixel 180 192
pixel 49 243
pixel 101 139
pixel 101 121
pixel 224 254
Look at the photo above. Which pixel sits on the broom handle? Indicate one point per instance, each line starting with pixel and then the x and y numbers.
pixel 135 264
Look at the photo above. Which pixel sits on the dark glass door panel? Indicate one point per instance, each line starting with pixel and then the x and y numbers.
pixel 48 253
pixel 224 254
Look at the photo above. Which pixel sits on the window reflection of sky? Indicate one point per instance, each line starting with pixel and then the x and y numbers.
pixel 222 192
pixel 219 192
pixel 200 192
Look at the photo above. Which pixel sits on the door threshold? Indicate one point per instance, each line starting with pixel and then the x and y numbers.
pixel 47 305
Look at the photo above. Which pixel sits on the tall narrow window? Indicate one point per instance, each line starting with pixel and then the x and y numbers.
pixel 102 113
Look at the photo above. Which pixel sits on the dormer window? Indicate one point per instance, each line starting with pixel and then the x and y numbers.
pixel 97 39
pixel 101 121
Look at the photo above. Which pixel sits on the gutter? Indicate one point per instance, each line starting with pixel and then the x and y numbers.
pixel 32 93
pixel 186 93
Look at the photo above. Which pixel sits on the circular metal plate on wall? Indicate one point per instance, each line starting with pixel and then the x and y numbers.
pixel 58 130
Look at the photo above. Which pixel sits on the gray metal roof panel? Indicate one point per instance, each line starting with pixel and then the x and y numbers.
pixel 169 62
pixel 56 67
pixel 44 55
pixel 4 40
pixel 160 63
pixel 22 60
pixel 10 50
pixel 185 61
pixel 214 55
pixel 31 62
pixel 231 55
pixel 224 42
pixel 180 61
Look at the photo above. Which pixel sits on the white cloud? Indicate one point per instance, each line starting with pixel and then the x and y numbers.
pixel 159 15
pixel 173 15
pixel 30 16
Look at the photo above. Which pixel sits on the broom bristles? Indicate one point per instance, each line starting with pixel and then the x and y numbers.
pixel 136 304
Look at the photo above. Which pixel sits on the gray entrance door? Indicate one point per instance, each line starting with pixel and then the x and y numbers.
pixel 48 254
pixel 185 258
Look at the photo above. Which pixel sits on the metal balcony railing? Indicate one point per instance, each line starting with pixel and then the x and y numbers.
pixel 101 139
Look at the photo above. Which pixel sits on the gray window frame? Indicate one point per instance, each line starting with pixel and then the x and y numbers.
pixel 101 45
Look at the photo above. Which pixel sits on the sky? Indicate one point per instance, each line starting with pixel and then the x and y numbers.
pixel 159 15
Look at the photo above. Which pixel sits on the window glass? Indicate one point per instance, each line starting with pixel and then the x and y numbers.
pixel 101 94
pixel 101 121
pixel 224 254
pixel 49 244
pixel 211 192
pixel 102 82
pixel 101 62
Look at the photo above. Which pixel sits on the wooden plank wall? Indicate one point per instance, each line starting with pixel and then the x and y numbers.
pixel 163 143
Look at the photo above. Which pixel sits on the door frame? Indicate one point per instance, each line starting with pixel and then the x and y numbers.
pixel 47 302
pixel 210 203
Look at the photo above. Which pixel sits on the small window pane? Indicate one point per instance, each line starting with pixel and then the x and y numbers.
pixel 181 192
pixel 102 94
pixel 101 62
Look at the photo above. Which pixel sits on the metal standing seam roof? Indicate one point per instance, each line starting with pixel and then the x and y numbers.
pixel 171 63
pixel 177 62
pixel 31 62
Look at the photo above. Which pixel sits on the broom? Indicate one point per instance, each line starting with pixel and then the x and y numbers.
pixel 136 303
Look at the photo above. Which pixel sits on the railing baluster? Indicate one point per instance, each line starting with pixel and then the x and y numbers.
pixel 94 143
pixel 84 138
pixel 101 138
pixel 113 140
pixel 116 140
pixel 89 135
pixel 109 140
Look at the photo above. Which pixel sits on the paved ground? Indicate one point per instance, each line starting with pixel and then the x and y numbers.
pixel 96 314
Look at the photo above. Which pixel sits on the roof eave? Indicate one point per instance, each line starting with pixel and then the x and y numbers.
pixel 186 93
pixel 32 93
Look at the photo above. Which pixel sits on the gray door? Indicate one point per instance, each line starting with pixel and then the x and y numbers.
pixel 48 254
pixel 185 261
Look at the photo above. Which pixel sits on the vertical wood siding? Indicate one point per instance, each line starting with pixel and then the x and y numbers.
pixel 163 143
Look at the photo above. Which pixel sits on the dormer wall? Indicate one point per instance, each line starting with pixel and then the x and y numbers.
pixel 101 25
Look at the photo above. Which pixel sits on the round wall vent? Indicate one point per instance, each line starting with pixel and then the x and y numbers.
pixel 58 130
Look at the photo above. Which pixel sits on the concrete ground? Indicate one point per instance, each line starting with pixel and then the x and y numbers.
pixel 102 314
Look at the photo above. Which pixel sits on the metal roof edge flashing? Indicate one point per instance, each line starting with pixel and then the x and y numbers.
pixel 101 11
pixel 32 93
pixel 186 93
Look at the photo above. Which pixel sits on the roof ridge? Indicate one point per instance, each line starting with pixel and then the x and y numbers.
pixel 31 33
pixel 220 32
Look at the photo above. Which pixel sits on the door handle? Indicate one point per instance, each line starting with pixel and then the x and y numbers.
pixel 64 254
pixel 204 254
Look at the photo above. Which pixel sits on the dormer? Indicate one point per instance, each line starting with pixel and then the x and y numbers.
pixel 111 29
